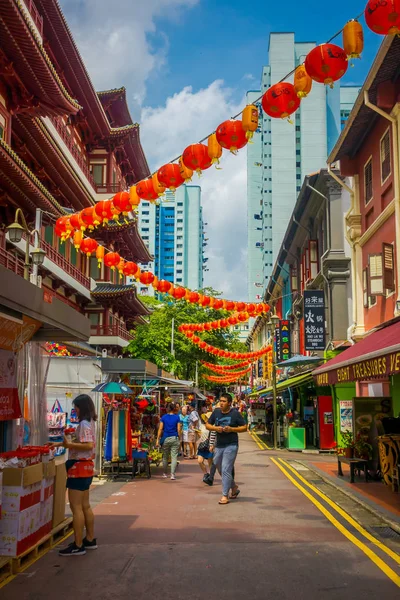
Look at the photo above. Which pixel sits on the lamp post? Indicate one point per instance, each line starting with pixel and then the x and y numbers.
pixel 15 232
pixel 273 323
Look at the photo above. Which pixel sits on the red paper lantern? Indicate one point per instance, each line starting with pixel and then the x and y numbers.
pixel 193 297
pixel 240 306
pixel 383 17
pixel 195 339
pixel 88 216
pixel 281 100
pixel 218 304
pixel 251 307
pixel 215 325
pixel 178 293
pixel 63 228
pixel 170 176
pixel 122 202
pixel 202 345
pixel 207 327
pixel 243 317
pixel 164 286
pixel 189 334
pixel 104 210
pixel 145 190
pixel 196 158
pixel 229 305
pixel 112 259
pixel 76 222
pixel 232 320
pixel 224 323
pixel 231 135
pixel 88 246
pixel 146 278
pixel 130 269
pixel 206 301
pixel 326 63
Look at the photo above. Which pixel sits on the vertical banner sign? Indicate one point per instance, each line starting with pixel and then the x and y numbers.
pixel 284 327
pixel 314 319
pixel 278 345
pixel 260 368
pixel 9 401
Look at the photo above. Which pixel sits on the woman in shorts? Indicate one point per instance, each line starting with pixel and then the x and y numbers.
pixel 80 471
pixel 184 417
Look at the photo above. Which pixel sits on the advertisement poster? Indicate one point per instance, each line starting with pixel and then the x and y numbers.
pixel 346 415
pixel 314 319
pixel 9 401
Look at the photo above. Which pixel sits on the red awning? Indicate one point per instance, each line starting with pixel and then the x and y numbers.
pixel 376 356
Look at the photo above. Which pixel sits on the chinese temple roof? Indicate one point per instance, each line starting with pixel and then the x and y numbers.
pixel 70 62
pixel 22 186
pixel 125 239
pixel 123 298
pixel 42 91
pixel 116 107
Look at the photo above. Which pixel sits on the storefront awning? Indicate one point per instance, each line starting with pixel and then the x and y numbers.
pixel 296 381
pixel 376 356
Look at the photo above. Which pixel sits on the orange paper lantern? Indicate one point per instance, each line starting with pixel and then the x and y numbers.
pixel 281 100
pixel 184 171
pixel 250 120
pixel 133 197
pixel 158 187
pixel 353 39
pixel 100 255
pixel 326 63
pixel 78 237
pixel 302 82
pixel 231 135
pixel 214 149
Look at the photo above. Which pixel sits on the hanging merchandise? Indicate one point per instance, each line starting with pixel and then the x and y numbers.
pixel 326 63
pixel 383 16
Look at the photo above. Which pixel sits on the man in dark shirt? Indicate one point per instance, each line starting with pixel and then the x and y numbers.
pixel 227 422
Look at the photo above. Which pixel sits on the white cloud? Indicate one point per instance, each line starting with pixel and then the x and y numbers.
pixel 114 42
pixel 166 130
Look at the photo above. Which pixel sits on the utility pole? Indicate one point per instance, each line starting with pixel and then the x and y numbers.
pixel 197 374
pixel 172 341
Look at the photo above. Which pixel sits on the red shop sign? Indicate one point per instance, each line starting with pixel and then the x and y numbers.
pixel 9 400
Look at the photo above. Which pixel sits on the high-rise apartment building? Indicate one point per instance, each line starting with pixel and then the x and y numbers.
pixel 282 154
pixel 174 234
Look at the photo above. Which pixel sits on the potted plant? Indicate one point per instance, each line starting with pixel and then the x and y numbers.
pixel 348 444
pixel 362 448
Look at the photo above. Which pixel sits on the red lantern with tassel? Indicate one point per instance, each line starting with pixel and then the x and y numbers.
pixel 76 222
pixel 383 17
pixel 122 202
pixel 202 345
pixel 224 323
pixel 243 317
pixel 207 327
pixel 326 63
pixel 281 100
pixel 104 210
pixel 88 246
pixel 88 216
pixel 231 135
pixel 193 297
pixel 178 293
pixel 215 325
pixel 218 304
pixel 196 158
pixel 130 269
pixel 112 259
pixel 146 278
pixel 170 176
pixel 145 190
pixel 229 305
pixel 164 286
pixel 206 301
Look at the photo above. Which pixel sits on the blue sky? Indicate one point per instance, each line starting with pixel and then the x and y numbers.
pixel 186 65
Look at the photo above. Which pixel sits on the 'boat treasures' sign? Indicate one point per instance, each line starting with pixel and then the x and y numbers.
pixel 372 368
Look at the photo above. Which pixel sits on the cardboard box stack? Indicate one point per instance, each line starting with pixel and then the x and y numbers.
pixel 27 499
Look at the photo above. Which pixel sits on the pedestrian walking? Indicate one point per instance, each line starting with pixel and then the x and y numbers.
pixel 204 454
pixel 80 471
pixel 168 438
pixel 194 423
pixel 184 417
pixel 227 422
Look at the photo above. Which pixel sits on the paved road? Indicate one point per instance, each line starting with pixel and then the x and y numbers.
pixel 171 540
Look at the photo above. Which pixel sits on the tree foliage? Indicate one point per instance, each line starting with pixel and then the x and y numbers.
pixel 153 340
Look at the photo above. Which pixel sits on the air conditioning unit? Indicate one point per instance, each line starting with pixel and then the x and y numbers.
pixel 104 353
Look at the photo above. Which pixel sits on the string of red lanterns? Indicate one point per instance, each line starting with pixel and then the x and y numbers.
pixel 225 367
pixel 324 64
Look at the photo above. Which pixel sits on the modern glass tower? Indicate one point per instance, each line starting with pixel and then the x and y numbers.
pixel 282 154
pixel 174 233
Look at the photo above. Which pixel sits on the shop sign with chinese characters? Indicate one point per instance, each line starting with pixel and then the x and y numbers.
pixel 282 341
pixel 314 319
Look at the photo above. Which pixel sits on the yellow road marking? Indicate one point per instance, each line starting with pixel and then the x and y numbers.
pixel 367 551
pixel 345 516
pixel 28 565
pixel 260 443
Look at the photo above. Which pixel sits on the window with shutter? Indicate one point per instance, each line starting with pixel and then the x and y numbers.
pixel 385 156
pixel 365 287
pixel 368 181
pixel 293 278
pixel 313 252
pixel 388 266
pixel 375 275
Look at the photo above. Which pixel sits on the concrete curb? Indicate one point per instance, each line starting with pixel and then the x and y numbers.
pixel 377 513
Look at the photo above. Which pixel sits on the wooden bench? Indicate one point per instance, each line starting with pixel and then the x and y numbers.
pixel 356 464
pixel 395 478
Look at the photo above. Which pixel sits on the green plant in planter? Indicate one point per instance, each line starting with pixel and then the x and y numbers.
pixel 362 448
pixel 347 446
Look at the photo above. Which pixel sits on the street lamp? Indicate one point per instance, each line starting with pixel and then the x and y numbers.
pixel 273 324
pixel 15 233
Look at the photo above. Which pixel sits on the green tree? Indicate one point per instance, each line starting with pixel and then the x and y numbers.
pixel 153 340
